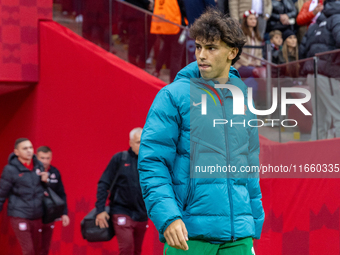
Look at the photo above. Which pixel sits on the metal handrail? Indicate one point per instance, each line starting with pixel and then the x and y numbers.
pixel 293 62
pixel 278 65
pixel 326 52
pixel 249 55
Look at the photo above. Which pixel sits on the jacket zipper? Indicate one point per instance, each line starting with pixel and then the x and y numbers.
pixel 228 179
pixel 32 178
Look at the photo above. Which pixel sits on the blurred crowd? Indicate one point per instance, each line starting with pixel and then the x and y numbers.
pixel 281 23
pixel 294 29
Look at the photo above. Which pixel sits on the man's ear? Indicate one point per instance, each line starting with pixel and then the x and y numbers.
pixel 16 152
pixel 233 53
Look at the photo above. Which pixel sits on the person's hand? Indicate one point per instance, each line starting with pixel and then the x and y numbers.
pixel 44 176
pixel 318 9
pixel 284 19
pixel 65 219
pixel 176 235
pixel 101 220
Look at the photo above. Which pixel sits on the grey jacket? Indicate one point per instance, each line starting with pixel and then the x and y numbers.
pixel 23 188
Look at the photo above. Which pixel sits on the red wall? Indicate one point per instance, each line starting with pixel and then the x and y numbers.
pixel 84 106
pixel 19 38
pixel 302 214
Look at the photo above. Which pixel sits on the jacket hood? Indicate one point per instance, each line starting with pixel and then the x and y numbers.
pixel 11 157
pixel 14 161
pixel 192 71
pixel 332 8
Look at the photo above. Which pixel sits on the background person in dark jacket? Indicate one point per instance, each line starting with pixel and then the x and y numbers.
pixel 283 15
pixel 44 155
pixel 21 182
pixel 324 36
pixel 194 9
pixel 126 201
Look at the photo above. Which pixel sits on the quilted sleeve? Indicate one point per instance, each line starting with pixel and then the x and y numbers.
pixel 156 158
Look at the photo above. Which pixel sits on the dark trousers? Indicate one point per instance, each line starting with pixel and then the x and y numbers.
pixel 47 232
pixel 140 40
pixel 129 233
pixel 28 233
pixel 136 32
pixel 172 52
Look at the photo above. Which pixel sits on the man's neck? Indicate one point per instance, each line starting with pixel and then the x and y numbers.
pixel 224 77
pixel 25 161
pixel 221 80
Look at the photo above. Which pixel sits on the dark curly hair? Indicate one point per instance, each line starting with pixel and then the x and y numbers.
pixel 214 25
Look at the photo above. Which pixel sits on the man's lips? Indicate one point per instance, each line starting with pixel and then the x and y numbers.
pixel 204 65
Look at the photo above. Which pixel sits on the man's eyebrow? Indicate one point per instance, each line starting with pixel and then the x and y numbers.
pixel 207 45
pixel 211 45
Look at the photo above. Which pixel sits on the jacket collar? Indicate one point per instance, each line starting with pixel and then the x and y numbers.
pixel 132 154
pixel 14 161
pixel 192 71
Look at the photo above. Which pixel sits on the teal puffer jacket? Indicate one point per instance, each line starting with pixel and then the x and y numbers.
pixel 178 142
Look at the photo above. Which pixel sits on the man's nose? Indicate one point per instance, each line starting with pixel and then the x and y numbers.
pixel 202 54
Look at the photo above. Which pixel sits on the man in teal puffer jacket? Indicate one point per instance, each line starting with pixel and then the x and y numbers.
pixel 194 151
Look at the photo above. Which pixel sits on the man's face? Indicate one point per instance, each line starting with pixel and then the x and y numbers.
pixel 135 142
pixel 45 158
pixel 24 151
pixel 277 40
pixel 214 58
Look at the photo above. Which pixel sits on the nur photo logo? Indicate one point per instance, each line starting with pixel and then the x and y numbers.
pixel 239 106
